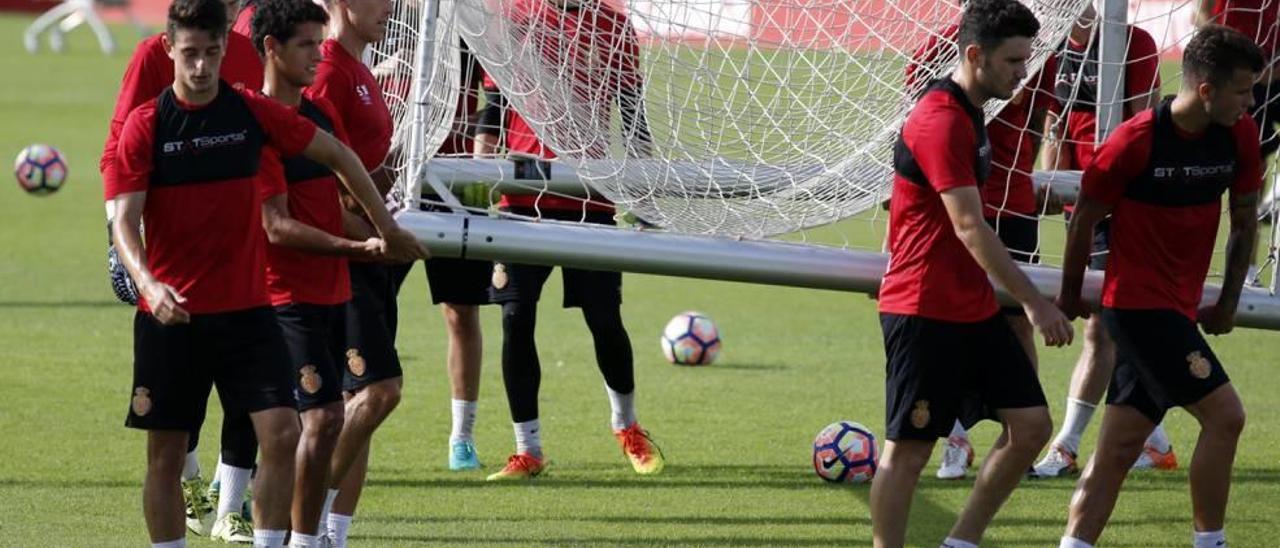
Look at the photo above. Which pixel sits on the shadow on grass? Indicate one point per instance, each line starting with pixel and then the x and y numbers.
pixel 48 483
pixel 630 519
pixel 743 367
pixel 629 540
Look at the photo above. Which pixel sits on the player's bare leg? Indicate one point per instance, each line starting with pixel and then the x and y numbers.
pixel 277 431
pixel 1025 433
pixel 365 411
pixel 893 488
pixel 1221 417
pixel 321 427
pixel 1120 439
pixel 161 493
pixel 466 348
pixel 1089 382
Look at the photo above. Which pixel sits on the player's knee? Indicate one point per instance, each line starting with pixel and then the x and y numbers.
pixel 908 456
pixel 383 397
pixel 1031 431
pixel 166 454
pixel 518 319
pixel 1097 337
pixel 280 439
pixel 462 320
pixel 1227 422
pixel 324 423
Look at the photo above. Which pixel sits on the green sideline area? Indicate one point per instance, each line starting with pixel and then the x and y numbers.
pixel 736 435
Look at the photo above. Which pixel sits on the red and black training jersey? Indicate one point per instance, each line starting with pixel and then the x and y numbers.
pixel 350 86
pixel 1076 84
pixel 1008 190
pixel 150 72
pixel 1166 187
pixel 598 53
pixel 1255 18
pixel 203 213
pixel 942 146
pixel 295 276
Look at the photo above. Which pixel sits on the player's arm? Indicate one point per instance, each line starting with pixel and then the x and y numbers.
pixel 489 129
pixel 164 301
pixel 1142 73
pixel 284 230
pixel 1220 318
pixel 329 151
pixel 964 207
pixel 631 104
pixel 1087 214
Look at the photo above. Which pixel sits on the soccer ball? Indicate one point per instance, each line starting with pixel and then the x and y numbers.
pixel 845 452
pixel 691 338
pixel 40 169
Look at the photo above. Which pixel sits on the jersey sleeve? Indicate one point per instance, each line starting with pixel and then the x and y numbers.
pixel 270 179
pixel 330 111
pixel 141 83
pixel 1248 157
pixel 286 130
pixel 1142 67
pixel 944 145
pixel 135 153
pixel 1118 161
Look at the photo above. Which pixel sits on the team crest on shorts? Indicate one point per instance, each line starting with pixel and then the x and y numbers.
pixel 141 401
pixel 920 415
pixel 355 363
pixel 1199 365
pixel 499 275
pixel 310 381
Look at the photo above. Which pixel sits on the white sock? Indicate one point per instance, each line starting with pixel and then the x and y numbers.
pixel 1211 539
pixel 957 430
pixel 300 540
pixel 268 538
pixel 1069 542
pixel 217 474
pixel 464 420
pixel 957 543
pixel 338 526
pixel 191 468
pixel 624 408
pixel 328 507
pixel 1078 414
pixel 234 481
pixel 180 543
pixel 1159 439
pixel 529 437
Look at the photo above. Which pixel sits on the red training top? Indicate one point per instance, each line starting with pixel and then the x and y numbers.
pixel 351 88
pixel 203 213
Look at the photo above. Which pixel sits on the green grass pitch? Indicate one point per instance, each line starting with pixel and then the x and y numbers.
pixel 736 434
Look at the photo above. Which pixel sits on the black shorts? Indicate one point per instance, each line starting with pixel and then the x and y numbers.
pixel 455 281
pixel 523 282
pixel 1021 236
pixel 370 354
pixel 316 336
pixel 939 371
pixel 175 366
pixel 1162 361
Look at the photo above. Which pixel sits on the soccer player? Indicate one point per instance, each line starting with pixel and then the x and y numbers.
pixel 307 273
pixel 1009 200
pixel 461 286
pixel 597 45
pixel 187 166
pixel 150 71
pixel 951 353
pixel 1161 175
pixel 1072 147
pixel 372 376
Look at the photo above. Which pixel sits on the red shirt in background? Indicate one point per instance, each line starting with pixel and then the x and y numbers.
pixel 350 87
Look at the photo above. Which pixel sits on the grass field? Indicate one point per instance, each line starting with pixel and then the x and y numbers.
pixel 736 434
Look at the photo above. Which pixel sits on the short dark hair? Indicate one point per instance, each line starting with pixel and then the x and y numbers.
pixel 988 23
pixel 279 19
pixel 1216 52
pixel 206 15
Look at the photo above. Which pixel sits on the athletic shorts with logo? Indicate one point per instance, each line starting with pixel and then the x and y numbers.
pixel 1162 361
pixel 938 372
pixel 242 353
pixel 524 282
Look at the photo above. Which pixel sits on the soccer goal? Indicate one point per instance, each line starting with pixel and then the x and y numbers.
pixel 766 152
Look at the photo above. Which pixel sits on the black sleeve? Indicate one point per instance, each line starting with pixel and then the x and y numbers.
pixel 635 123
